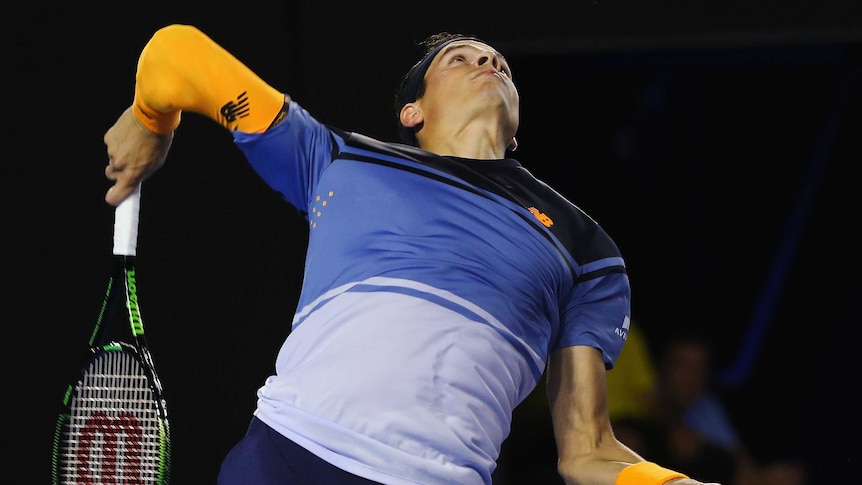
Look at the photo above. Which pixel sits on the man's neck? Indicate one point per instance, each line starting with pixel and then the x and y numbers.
pixel 480 144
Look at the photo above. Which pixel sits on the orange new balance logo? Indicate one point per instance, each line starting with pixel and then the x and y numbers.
pixel 541 216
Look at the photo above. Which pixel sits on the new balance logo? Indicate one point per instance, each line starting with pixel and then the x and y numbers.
pixel 234 110
pixel 541 216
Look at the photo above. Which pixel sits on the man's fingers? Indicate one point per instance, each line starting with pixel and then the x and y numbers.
pixel 115 195
pixel 119 191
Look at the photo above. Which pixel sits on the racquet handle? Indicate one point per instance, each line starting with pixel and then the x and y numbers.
pixel 126 224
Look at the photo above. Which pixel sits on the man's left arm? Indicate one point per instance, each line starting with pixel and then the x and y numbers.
pixel 588 451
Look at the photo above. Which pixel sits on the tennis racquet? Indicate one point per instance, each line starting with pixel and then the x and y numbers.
pixel 113 428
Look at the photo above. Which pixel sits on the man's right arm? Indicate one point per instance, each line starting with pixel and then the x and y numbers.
pixel 182 69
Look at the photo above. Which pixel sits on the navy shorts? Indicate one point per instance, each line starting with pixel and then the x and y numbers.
pixel 264 457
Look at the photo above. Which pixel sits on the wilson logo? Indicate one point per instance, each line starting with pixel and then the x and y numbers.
pixel 118 441
pixel 134 311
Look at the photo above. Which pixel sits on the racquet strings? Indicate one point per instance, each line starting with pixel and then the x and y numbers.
pixel 115 431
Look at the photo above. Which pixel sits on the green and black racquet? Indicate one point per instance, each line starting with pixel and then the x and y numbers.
pixel 113 428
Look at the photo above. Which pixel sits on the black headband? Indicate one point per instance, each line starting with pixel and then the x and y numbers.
pixel 414 83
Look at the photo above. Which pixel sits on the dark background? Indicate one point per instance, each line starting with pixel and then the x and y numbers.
pixel 718 143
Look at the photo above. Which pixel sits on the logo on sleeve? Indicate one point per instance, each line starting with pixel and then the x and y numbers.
pixel 238 109
pixel 624 330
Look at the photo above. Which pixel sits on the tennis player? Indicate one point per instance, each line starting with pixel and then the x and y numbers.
pixel 442 279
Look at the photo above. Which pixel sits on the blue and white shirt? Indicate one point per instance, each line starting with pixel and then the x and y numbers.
pixel 434 289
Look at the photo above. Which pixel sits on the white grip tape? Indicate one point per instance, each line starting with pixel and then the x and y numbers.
pixel 126 224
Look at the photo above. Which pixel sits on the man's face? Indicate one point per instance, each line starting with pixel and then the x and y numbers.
pixel 467 79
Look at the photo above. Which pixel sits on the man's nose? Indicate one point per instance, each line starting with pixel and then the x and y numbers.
pixel 488 58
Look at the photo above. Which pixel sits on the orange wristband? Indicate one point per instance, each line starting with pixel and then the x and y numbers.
pixel 646 473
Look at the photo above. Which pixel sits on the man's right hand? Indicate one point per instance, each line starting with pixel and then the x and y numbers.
pixel 134 153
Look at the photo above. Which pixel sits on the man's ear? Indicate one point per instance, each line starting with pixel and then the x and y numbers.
pixel 410 115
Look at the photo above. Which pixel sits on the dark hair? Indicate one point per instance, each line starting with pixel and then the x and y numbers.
pixel 412 85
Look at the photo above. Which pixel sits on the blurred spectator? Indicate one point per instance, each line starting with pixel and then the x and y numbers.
pixel 683 422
